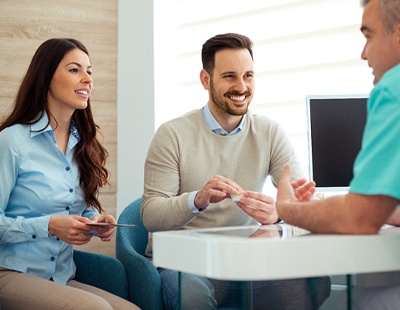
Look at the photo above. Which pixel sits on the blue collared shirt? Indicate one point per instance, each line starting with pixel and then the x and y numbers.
pixel 37 181
pixel 214 126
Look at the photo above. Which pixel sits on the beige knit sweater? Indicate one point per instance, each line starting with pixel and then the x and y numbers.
pixel 185 154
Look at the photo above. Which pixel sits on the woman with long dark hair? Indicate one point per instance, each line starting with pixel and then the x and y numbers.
pixel 52 167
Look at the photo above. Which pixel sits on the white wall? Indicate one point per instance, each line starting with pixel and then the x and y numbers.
pixel 301 47
pixel 135 96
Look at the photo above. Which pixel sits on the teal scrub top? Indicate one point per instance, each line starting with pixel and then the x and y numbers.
pixel 377 166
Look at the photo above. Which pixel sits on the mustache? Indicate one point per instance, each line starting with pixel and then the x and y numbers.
pixel 236 93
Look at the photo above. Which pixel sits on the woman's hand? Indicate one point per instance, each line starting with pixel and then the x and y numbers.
pixel 73 229
pixel 70 228
pixel 104 232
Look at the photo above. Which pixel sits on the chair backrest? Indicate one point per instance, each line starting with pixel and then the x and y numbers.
pixel 144 280
pixel 137 235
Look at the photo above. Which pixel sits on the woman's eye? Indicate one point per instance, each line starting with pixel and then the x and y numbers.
pixel 73 70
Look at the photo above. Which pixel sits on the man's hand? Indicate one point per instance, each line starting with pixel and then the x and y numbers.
pixel 259 206
pixel 217 189
pixel 297 191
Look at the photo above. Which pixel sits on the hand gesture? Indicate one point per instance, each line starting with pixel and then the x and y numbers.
pixel 217 189
pixel 297 191
pixel 259 206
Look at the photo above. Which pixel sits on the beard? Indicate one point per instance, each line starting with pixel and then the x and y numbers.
pixel 222 102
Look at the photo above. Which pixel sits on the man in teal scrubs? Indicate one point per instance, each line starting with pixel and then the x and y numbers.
pixel 374 193
pixel 375 189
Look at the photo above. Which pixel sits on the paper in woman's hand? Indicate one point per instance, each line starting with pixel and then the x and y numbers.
pixel 110 224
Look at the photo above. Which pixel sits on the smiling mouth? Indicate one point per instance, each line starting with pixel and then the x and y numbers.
pixel 82 92
pixel 238 98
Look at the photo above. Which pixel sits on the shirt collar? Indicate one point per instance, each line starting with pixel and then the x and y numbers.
pixel 41 126
pixel 37 128
pixel 212 123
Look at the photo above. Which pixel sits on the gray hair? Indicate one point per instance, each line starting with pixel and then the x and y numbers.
pixel 389 11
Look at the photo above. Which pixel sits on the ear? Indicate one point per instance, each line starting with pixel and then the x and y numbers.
pixel 205 79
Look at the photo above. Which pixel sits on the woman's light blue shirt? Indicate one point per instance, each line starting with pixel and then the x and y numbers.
pixel 37 181
pixel 377 167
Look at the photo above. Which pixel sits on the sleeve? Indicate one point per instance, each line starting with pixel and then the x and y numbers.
pixel 282 152
pixel 90 213
pixel 163 206
pixel 8 168
pixel 19 229
pixel 377 166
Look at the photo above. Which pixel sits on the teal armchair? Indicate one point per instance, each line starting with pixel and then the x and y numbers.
pixel 101 271
pixel 144 280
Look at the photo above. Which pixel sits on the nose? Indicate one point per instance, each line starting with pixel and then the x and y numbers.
pixel 87 78
pixel 364 53
pixel 240 85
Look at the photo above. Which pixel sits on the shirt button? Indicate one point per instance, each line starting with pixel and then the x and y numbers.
pixel 71 190
pixel 67 168
pixel 33 236
pixel 67 208
pixel 52 259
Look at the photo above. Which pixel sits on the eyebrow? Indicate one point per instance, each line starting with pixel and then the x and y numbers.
pixel 77 64
pixel 233 72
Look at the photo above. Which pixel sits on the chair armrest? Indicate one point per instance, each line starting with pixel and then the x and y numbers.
pixel 101 271
pixel 143 277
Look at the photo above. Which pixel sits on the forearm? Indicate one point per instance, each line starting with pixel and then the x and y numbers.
pixel 347 214
pixel 318 216
pixel 160 213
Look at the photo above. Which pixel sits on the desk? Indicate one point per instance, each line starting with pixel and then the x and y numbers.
pixel 231 253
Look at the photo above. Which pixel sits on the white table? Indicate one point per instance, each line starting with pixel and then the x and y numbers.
pixel 230 253
pixel 275 252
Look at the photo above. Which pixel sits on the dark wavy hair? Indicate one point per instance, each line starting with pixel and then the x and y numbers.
pixel 31 104
pixel 221 42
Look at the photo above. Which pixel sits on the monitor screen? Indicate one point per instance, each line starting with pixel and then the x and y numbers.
pixel 335 129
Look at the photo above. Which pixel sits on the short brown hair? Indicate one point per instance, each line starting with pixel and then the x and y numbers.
pixel 221 42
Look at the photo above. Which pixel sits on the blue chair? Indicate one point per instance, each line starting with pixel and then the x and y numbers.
pixel 143 277
pixel 101 271
pixel 144 280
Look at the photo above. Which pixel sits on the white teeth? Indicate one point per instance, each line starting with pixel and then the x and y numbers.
pixel 83 92
pixel 238 98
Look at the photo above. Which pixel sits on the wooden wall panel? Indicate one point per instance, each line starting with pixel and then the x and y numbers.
pixel 24 25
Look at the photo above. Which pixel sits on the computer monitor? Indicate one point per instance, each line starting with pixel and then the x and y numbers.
pixel 335 128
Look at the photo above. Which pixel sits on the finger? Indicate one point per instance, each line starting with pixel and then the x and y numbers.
pixel 258 196
pixel 226 184
pixel 286 175
pixel 106 234
pixel 298 183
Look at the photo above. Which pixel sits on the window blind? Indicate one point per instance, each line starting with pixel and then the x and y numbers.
pixel 301 47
